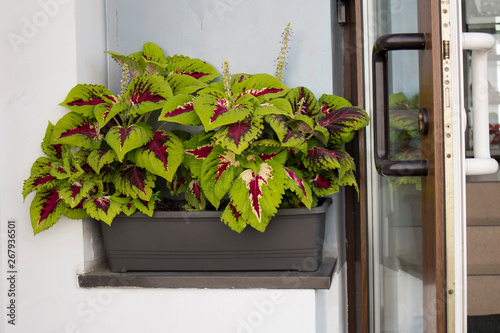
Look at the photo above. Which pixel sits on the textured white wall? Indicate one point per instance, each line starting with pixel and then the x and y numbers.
pixel 50 45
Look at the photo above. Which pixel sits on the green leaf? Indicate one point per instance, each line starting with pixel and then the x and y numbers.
pixel 195 68
pixel 146 93
pixel 45 209
pixel 74 130
pixel 262 86
pixel 184 84
pixel 135 67
pixel 75 193
pixel 214 108
pixel 217 174
pixel 145 207
pixel 295 140
pixel 40 178
pixel 303 101
pixel 257 195
pixel 122 140
pixel 49 149
pixel 197 150
pixel 195 196
pixel 101 157
pixel 329 103
pixel 341 123
pixel 335 158
pixel 84 97
pixel 180 109
pixel 160 156
pixel 278 124
pixel 102 208
pixel 238 136
pixel 105 112
pixel 233 218
pixel 274 106
pixel 135 182
pixel 296 183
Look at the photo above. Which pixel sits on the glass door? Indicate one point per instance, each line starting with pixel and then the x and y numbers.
pixel 406 202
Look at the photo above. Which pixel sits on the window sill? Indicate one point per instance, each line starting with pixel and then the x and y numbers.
pixel 103 277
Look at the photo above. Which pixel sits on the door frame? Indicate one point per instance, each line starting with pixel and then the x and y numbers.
pixel 444 297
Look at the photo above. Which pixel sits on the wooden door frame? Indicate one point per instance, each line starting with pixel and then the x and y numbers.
pixel 433 229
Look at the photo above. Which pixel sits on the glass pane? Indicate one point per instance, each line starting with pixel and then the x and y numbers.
pixel 396 212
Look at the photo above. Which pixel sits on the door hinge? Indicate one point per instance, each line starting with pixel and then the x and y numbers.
pixel 342 12
pixel 446 49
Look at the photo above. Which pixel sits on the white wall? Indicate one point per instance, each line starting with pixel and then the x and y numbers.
pixel 50 45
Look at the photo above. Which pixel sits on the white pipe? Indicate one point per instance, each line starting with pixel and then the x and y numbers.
pixel 480 44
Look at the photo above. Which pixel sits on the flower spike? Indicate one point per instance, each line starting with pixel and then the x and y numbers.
pixel 281 64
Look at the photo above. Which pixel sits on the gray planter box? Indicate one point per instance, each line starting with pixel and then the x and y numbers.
pixel 199 241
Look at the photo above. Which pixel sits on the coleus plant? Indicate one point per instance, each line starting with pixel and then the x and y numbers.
pixel 258 145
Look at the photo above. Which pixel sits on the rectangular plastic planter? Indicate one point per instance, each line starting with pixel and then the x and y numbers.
pixel 199 241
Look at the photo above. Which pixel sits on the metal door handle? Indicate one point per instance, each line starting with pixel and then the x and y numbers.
pixel 480 44
pixel 384 165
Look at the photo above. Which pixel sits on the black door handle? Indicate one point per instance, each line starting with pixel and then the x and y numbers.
pixel 384 165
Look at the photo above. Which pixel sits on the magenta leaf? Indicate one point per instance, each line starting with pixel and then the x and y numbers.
pixel 195 195
pixel 196 151
pixel 146 93
pixel 324 184
pixel 125 139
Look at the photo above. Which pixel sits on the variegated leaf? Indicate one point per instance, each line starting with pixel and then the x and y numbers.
pixel 329 103
pixel 106 111
pixel 160 156
pixel 49 149
pixel 324 184
pixel 144 206
pixel 40 178
pixel 75 130
pixel 102 208
pixel 184 84
pixel 262 86
pixel 135 182
pixel 75 193
pixel 336 158
pixel 295 140
pixel 297 184
pixel 341 123
pixel 214 108
pixel 193 67
pixel 146 93
pixel 122 140
pixel 180 109
pixel 195 196
pixel 101 157
pixel 275 106
pixel 257 195
pixel 217 174
pixel 197 150
pixel 238 136
pixel 278 124
pixel 45 209
pixel 233 218
pixel 84 97
pixel 303 101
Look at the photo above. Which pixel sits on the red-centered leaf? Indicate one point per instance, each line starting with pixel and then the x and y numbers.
pixel 214 108
pixel 196 151
pixel 195 68
pixel 342 122
pixel 238 136
pixel 102 208
pixel 45 209
pixel 295 140
pixel 195 196
pixel 124 139
pixel 329 103
pixel 299 186
pixel 262 86
pixel 51 150
pixel 275 106
pixel 75 193
pixel 184 84
pixel 324 184
pixel 145 207
pixel 217 174
pixel 160 156
pixel 279 155
pixel 303 101
pixel 180 109
pixel 146 93
pixel 233 218
pixel 257 195
pixel 278 124
pixel 135 182
pixel 83 98
pixel 153 52
pixel 101 157
pixel 105 112
pixel 319 158
pixel 40 177
pixel 74 130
